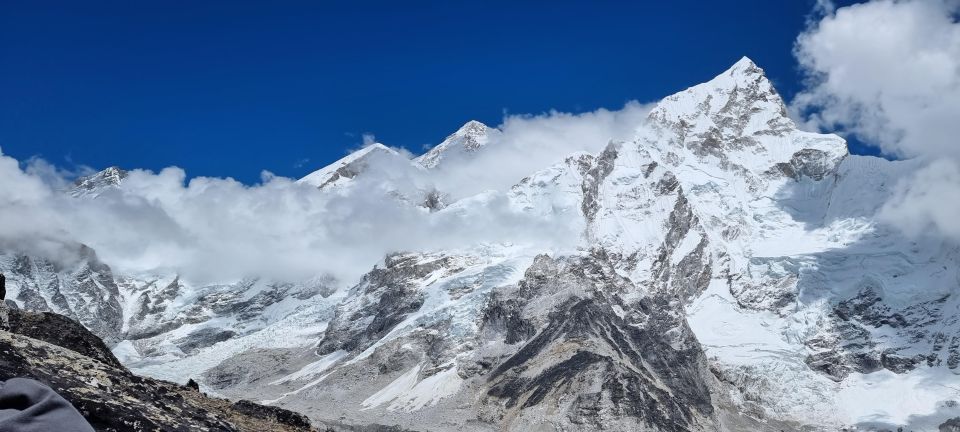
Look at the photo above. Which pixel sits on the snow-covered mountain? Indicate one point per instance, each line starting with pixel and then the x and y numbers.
pixel 730 272
pixel 470 138
pixel 95 184
pixel 343 171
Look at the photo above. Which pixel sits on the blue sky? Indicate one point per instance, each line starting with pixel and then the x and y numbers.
pixel 233 88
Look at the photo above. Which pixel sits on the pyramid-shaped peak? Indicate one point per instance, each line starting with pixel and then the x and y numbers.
pixel 745 65
pixel 96 183
pixel 739 93
pixel 112 175
pixel 472 128
pixel 472 136
pixel 744 73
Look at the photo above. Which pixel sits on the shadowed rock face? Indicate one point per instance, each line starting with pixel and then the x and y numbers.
pixel 388 295
pixel 57 330
pixel 63 355
pixel 590 363
pixel 951 425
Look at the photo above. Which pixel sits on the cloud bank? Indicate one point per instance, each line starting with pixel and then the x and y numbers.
pixel 218 230
pixel 527 143
pixel 888 72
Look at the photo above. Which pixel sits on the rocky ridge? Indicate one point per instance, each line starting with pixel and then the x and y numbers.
pixel 66 357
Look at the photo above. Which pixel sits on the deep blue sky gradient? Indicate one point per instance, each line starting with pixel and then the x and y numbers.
pixel 232 88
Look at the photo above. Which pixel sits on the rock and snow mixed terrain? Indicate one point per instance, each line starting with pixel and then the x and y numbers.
pixel 728 272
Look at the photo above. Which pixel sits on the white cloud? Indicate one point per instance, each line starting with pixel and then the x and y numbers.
pixel 889 72
pixel 931 198
pixel 217 230
pixel 527 143
pixel 213 229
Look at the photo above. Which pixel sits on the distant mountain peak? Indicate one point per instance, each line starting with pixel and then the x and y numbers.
pixel 95 184
pixel 349 166
pixel 737 117
pixel 469 138
pixel 743 90
pixel 472 128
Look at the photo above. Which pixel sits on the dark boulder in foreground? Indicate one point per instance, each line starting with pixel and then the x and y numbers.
pixel 63 355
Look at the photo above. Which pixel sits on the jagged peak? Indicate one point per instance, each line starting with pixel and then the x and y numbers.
pixel 114 172
pixel 469 138
pixel 739 119
pixel 96 183
pixel 744 66
pixel 472 127
pixel 744 74
pixel 740 93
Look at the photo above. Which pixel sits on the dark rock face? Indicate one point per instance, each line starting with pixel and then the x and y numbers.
pixel 278 415
pixel 191 384
pixel 203 338
pixel 61 354
pixel 602 167
pixel 344 427
pixel 392 294
pixel 58 330
pixel 812 163
pixel 847 345
pixel 952 425
pixel 593 361
pixel 502 315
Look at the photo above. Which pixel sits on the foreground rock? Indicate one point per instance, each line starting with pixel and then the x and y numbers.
pixel 63 355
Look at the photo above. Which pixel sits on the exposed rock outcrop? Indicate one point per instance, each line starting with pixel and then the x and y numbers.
pixel 63 355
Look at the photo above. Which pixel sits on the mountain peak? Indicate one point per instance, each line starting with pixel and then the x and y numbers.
pixel 739 119
pixel 471 128
pixel 95 184
pixel 469 138
pixel 741 95
pixel 375 147
pixel 745 64
pixel 745 74
pixel 349 166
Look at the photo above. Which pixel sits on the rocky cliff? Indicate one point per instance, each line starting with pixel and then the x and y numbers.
pixel 65 356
